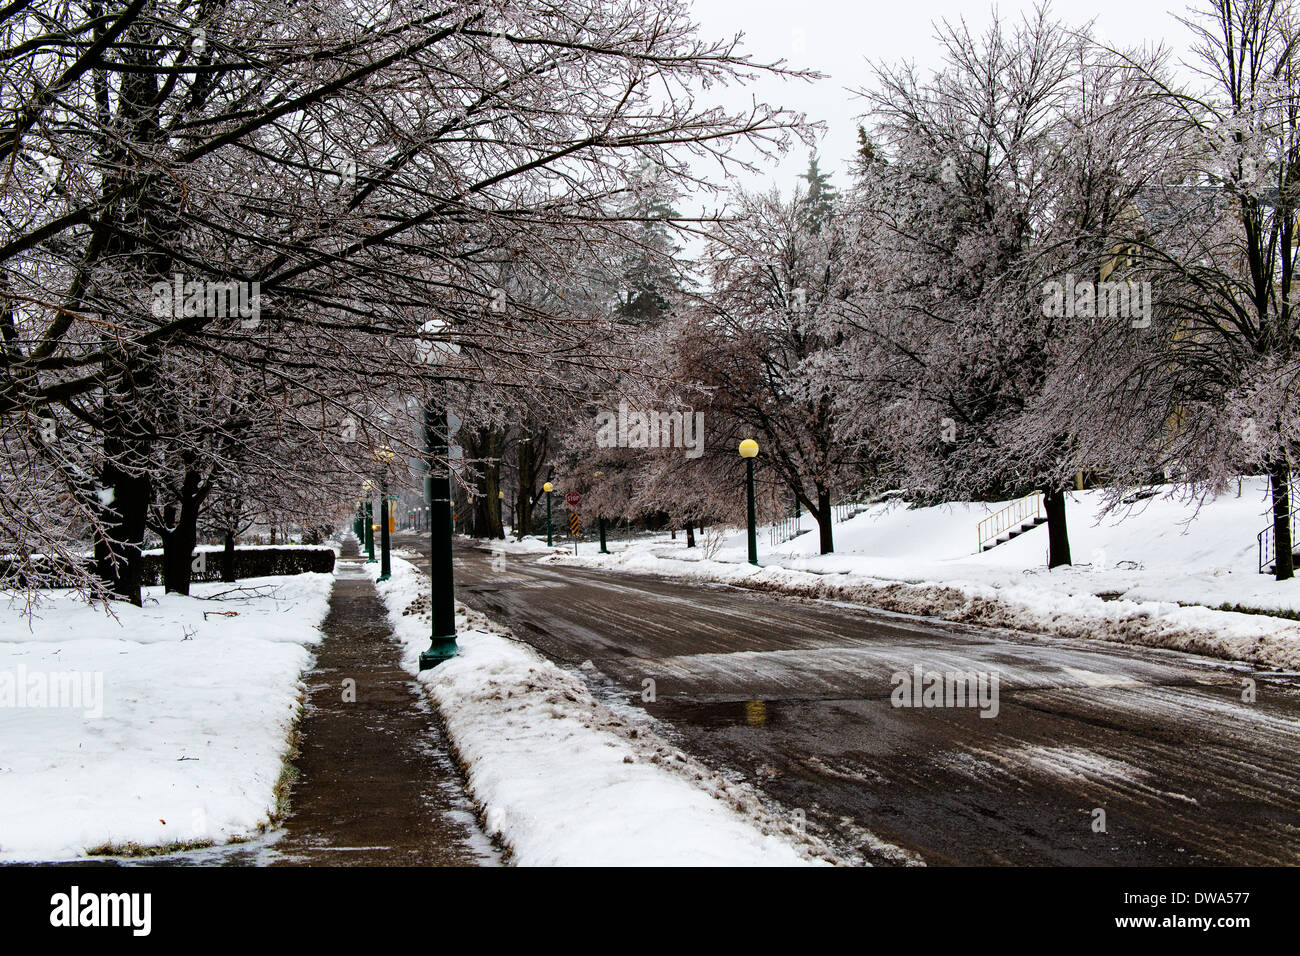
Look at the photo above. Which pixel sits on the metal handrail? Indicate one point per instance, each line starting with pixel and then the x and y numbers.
pixel 1267 543
pixel 787 528
pixel 783 530
pixel 846 509
pixel 1028 508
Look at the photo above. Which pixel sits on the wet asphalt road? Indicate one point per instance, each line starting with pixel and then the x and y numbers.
pixel 794 697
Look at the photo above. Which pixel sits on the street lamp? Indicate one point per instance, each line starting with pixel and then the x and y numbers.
pixel 434 349
pixel 748 449
pixel 600 519
pixel 366 488
pixel 384 456
pixel 501 509
pixel 548 488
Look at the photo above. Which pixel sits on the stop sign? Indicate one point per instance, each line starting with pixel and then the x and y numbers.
pixel 572 499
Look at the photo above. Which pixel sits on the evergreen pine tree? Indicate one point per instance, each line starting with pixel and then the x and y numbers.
pixel 821 195
pixel 650 278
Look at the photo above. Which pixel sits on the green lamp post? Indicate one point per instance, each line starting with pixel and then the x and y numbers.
pixel 442 639
pixel 748 449
pixel 384 456
pixel 548 488
pixel 385 561
pixel 366 488
pixel 434 349
pixel 600 520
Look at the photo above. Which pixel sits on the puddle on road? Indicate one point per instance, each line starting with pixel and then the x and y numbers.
pixel 715 714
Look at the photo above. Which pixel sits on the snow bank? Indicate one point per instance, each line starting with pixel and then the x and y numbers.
pixel 193 723
pixel 562 780
pixel 1161 574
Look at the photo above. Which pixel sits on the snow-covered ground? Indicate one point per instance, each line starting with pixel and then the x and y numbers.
pixel 562 779
pixel 1157 574
pixel 173 727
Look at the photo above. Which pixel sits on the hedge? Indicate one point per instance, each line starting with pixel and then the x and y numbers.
pixel 249 563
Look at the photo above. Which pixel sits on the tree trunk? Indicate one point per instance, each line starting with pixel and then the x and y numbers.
pixel 690 534
pixel 179 539
pixel 494 522
pixel 1058 536
pixel 126 479
pixel 117 552
pixel 527 488
pixel 178 558
pixel 170 575
pixel 485 446
pixel 228 557
pixel 524 516
pixel 1279 479
pixel 530 456
pixel 824 516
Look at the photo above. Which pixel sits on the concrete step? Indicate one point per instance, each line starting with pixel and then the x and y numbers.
pixel 1295 560
pixel 1006 536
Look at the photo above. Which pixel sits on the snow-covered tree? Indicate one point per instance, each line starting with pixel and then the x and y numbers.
pixel 1222 245
pixel 762 339
pixel 364 167
pixel 1013 169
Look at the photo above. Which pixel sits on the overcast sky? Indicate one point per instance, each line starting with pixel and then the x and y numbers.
pixel 840 37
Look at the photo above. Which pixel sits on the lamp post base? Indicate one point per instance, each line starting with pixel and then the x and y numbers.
pixel 440 649
pixel 383 577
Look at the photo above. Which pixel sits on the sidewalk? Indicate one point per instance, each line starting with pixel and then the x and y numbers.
pixel 376 786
